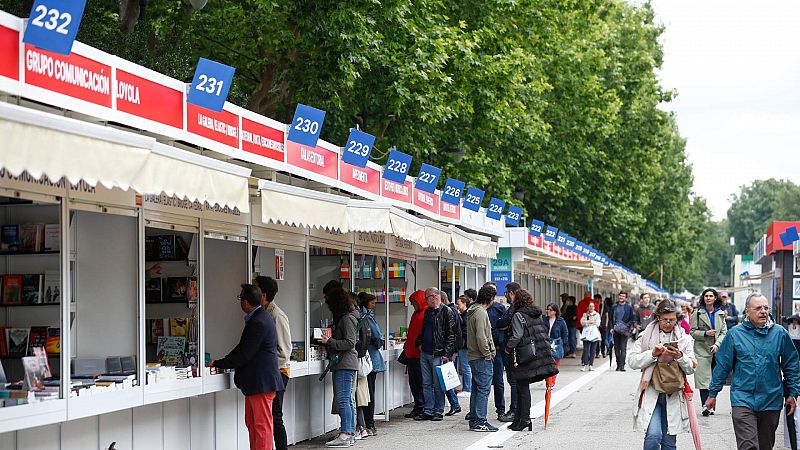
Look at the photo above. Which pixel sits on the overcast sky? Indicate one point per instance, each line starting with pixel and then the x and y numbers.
pixel 736 67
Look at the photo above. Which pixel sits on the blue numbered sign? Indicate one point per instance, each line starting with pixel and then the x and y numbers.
pixel 586 250
pixel 570 244
pixel 397 166
pixel 561 239
pixel 428 178
pixel 513 216
pixel 306 125
pixel 537 228
pixel 358 148
pixel 579 247
pixel 452 191
pixel 54 24
pixel 210 85
pixel 495 209
pixel 550 234
pixel 474 199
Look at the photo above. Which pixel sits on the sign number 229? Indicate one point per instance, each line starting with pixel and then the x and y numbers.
pixel 54 16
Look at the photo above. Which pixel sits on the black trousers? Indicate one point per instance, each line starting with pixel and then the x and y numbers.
pixel 279 429
pixel 755 430
pixel 523 401
pixel 415 383
pixel 620 349
pixel 369 410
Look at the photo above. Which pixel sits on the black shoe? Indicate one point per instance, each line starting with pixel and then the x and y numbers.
pixel 507 417
pixel 414 413
pixel 437 417
pixel 468 416
pixel 424 416
pixel 521 426
pixel 706 412
pixel 453 411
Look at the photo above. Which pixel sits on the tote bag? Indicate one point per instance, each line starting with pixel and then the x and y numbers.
pixel 448 376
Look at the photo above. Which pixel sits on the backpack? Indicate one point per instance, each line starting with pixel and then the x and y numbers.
pixel 364 332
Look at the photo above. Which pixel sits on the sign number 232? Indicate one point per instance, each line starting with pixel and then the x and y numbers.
pixel 51 19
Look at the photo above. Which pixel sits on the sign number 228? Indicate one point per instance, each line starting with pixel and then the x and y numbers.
pixel 53 22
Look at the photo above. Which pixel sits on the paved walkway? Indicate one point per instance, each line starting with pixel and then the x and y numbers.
pixel 590 410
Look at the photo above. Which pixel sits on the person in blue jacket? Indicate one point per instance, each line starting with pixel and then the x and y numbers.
pixel 497 312
pixel 367 302
pixel 622 321
pixel 762 358
pixel 558 329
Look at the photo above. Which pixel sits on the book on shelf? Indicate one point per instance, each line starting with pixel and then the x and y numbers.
pixel 17 341
pixel 12 289
pixel 165 246
pixel 176 289
pixel 171 350
pixel 32 289
pixel 192 291
pixel 9 238
pixel 179 326
pixel 34 374
pixel 298 351
pixel 51 290
pixel 3 342
pixel 52 237
pixel 155 329
pixel 152 290
pixel 37 338
pixel 31 237
pixel 41 355
pixel 53 345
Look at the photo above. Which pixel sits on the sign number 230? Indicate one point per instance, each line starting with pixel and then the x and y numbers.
pixel 306 125
pixel 53 17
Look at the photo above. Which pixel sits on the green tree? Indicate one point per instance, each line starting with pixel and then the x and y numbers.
pixel 758 205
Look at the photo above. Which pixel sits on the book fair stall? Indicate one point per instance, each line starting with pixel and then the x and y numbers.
pixel 129 219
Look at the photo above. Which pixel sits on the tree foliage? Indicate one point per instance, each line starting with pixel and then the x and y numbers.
pixel 552 104
pixel 757 206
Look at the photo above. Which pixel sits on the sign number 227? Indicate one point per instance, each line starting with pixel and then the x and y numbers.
pixel 53 17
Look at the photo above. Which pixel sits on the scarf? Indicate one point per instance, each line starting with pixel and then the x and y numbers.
pixel 650 338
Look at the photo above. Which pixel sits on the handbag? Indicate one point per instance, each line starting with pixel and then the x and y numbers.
pixel 403 359
pixel 668 377
pixel 525 352
pixel 364 365
pixel 558 348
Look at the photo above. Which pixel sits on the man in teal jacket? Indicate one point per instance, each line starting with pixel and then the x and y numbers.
pixel 757 352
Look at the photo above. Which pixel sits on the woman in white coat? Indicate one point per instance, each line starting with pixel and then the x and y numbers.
pixel 660 409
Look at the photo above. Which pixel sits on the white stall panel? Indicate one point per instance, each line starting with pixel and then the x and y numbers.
pixel 117 427
pixel 40 438
pixel 80 434
pixel 202 418
pixel 148 427
pixel 226 416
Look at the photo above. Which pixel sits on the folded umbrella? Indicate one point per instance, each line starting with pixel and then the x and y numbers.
pixel 694 427
pixel 549 383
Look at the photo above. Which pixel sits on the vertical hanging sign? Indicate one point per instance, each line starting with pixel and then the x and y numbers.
pixel 550 233
pixel 428 178
pixel 358 148
pixel 474 199
pixel 54 24
pixel 495 209
pixel 306 125
pixel 210 85
pixel 397 166
pixel 452 191
pixel 513 216
pixel 279 263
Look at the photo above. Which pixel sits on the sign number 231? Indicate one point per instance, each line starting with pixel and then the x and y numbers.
pixel 209 84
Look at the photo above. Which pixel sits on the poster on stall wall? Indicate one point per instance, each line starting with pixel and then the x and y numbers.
pixel 279 263
pixel 501 270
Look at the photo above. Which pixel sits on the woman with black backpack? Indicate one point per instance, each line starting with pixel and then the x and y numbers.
pixel 532 355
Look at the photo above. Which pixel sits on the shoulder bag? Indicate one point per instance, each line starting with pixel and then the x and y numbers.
pixel 668 377
pixel 525 351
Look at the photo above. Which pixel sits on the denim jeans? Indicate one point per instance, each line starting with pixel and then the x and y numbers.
pixel 344 383
pixel 466 371
pixel 656 437
pixel 573 342
pixel 589 350
pixel 434 397
pixel 452 398
pixel 479 400
pixel 497 383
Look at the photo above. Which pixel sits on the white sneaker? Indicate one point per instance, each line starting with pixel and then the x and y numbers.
pixel 360 434
pixel 591 368
pixel 583 369
pixel 463 394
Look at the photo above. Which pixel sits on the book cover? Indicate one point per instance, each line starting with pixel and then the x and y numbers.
pixel 150 248
pixel 37 338
pixel 31 237
pixel 52 237
pixel 152 290
pixel 41 355
pixel 9 238
pixel 170 350
pixel 176 289
pixel 192 291
pixel 156 330
pixel 3 342
pixel 51 290
pixel 165 245
pixel 12 289
pixel 181 248
pixel 53 340
pixel 17 341
pixel 179 326
pixel 32 289
pixel 34 374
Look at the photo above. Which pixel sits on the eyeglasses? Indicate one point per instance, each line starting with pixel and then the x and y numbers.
pixel 429 296
pixel 240 298
pixel 668 321
pixel 761 308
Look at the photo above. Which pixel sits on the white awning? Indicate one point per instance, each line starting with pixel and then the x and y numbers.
pixel 484 248
pixel 437 236
pixel 407 227
pixel 368 216
pixel 462 241
pixel 59 147
pixel 294 206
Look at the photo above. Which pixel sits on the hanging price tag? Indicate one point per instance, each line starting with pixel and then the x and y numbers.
pixel 54 24
pixel 428 178
pixel 474 199
pixel 537 228
pixel 550 233
pixel 358 148
pixel 452 191
pixel 495 209
pixel 513 215
pixel 397 166
pixel 306 125
pixel 210 85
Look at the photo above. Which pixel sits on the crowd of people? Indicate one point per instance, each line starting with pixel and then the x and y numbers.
pixel 490 342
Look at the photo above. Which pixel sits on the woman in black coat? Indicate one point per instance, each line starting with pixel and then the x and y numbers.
pixel 527 327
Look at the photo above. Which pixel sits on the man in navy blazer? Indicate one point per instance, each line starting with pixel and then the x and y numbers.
pixel 256 362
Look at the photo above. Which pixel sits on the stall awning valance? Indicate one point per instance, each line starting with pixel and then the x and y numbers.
pixel 437 236
pixel 484 248
pixel 462 241
pixel 294 206
pixel 41 143
pixel 369 216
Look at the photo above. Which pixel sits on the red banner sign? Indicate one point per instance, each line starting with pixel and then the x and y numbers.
pixel 9 53
pixel 426 201
pixel 74 75
pixel 222 126
pixel 262 140
pixel 396 191
pixel 450 210
pixel 365 178
pixel 144 98
pixel 317 160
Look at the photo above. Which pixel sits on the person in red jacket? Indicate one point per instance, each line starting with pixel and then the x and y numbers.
pixel 411 353
pixel 582 305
